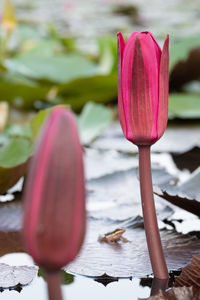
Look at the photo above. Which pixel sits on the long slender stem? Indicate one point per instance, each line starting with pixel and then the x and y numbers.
pixel 149 214
pixel 54 285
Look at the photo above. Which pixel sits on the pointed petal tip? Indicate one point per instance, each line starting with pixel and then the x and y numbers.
pixel 166 40
pixel 166 44
pixel 120 38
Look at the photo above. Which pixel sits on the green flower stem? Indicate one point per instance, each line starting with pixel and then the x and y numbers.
pixel 54 285
pixel 149 214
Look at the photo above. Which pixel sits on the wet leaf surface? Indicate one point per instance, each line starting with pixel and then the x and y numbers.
pixel 130 259
pixel 185 195
pixel 11 276
pixel 114 201
pixel 112 138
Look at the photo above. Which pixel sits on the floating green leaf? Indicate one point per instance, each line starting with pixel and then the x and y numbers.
pixel 100 89
pixel 22 95
pixel 108 54
pixel 14 158
pixel 60 69
pixel 15 152
pixel 92 121
pixel 184 106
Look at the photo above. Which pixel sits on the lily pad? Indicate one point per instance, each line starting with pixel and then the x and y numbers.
pixel 14 159
pixel 93 119
pixel 184 106
pixel 131 258
pixel 57 69
pixel 113 139
pixel 11 276
pixel 185 195
pixel 101 88
pixel 22 96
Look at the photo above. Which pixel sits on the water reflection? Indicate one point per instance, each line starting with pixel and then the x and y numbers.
pixel 81 287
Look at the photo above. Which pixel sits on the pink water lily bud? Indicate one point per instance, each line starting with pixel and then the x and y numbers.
pixel 143 87
pixel 54 197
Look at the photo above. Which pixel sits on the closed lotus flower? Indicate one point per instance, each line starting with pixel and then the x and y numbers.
pixel 54 198
pixel 143 80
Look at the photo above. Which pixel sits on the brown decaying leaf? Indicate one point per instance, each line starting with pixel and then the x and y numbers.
pixel 192 206
pixel 190 275
pixel 10 176
pixel 179 293
pixel 10 242
pixel 188 160
pixel 185 71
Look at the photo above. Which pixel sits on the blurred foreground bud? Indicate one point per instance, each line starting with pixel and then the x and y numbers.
pixel 143 83
pixel 54 198
pixel 9 21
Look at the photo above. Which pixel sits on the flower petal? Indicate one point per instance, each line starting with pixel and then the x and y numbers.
pixel 157 47
pixel 121 45
pixel 140 89
pixel 163 88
